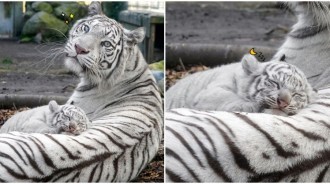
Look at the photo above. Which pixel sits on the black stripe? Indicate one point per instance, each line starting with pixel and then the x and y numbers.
pixel 71 156
pixel 123 147
pixel 322 174
pixel 217 119
pixel 132 162
pixel 186 145
pixel 101 143
pixel 307 32
pixel 86 87
pixel 88 147
pixel 171 153
pixel 239 158
pixel 201 129
pixel 45 156
pixel 15 150
pixel 100 173
pixel 11 171
pixel 115 166
pixel 86 163
pixel 174 177
pixel 91 176
pixel 211 160
pixel 309 135
pixel 279 149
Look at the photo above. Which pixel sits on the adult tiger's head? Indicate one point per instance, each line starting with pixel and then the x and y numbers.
pixel 99 47
pixel 312 13
pixel 277 85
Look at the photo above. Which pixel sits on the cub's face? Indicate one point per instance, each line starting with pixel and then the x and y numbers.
pixel 95 44
pixel 283 86
pixel 71 119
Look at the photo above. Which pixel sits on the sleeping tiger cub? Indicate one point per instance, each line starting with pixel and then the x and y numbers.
pixel 250 86
pixel 65 119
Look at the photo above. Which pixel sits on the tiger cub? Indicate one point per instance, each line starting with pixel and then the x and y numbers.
pixel 65 119
pixel 273 87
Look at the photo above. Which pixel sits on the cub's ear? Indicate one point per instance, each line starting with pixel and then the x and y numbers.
pixel 134 36
pixel 250 64
pixel 95 8
pixel 53 106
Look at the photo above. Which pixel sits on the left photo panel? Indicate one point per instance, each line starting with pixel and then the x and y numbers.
pixel 82 91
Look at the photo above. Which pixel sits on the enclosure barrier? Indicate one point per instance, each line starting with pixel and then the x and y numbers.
pixel 8 101
pixel 210 54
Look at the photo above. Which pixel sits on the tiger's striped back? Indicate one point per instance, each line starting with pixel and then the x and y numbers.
pixel 248 147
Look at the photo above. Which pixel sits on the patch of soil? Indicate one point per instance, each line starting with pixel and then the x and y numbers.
pixel 233 23
pixel 33 83
pixel 181 71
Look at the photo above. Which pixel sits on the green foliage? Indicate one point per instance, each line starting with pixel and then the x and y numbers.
pixel 7 61
pixel 42 6
pixel 157 66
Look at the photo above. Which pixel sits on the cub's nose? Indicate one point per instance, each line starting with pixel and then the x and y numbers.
pixel 80 49
pixel 281 103
pixel 284 98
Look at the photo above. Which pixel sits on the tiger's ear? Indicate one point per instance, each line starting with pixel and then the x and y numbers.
pixel 283 58
pixel 134 36
pixel 95 8
pixel 250 64
pixel 53 106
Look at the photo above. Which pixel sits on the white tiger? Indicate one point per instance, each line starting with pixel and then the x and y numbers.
pixel 118 94
pixel 307 45
pixel 250 147
pixel 66 119
pixel 274 87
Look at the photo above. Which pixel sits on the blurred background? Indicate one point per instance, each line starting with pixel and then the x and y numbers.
pixel 201 35
pixel 31 34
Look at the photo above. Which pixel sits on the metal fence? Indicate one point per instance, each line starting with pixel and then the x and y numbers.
pixel 157 6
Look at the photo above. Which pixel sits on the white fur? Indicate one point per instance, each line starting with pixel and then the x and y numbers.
pixel 251 142
pixel 232 87
pixel 310 54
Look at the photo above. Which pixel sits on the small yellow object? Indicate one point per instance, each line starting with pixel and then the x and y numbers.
pixel 252 52
pixel 71 16
pixel 67 22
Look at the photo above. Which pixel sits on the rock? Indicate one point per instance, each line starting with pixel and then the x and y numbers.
pixel 45 23
pixel 28 14
pixel 42 6
pixel 76 9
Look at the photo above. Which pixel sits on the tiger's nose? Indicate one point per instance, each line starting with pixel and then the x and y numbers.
pixel 80 49
pixel 284 98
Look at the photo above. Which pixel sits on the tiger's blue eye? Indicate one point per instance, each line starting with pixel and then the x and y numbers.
pixel 86 28
pixel 106 43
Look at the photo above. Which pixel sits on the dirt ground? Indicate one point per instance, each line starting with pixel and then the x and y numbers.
pixel 237 23
pixel 33 69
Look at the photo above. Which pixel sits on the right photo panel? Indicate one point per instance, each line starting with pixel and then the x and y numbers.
pixel 247 92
